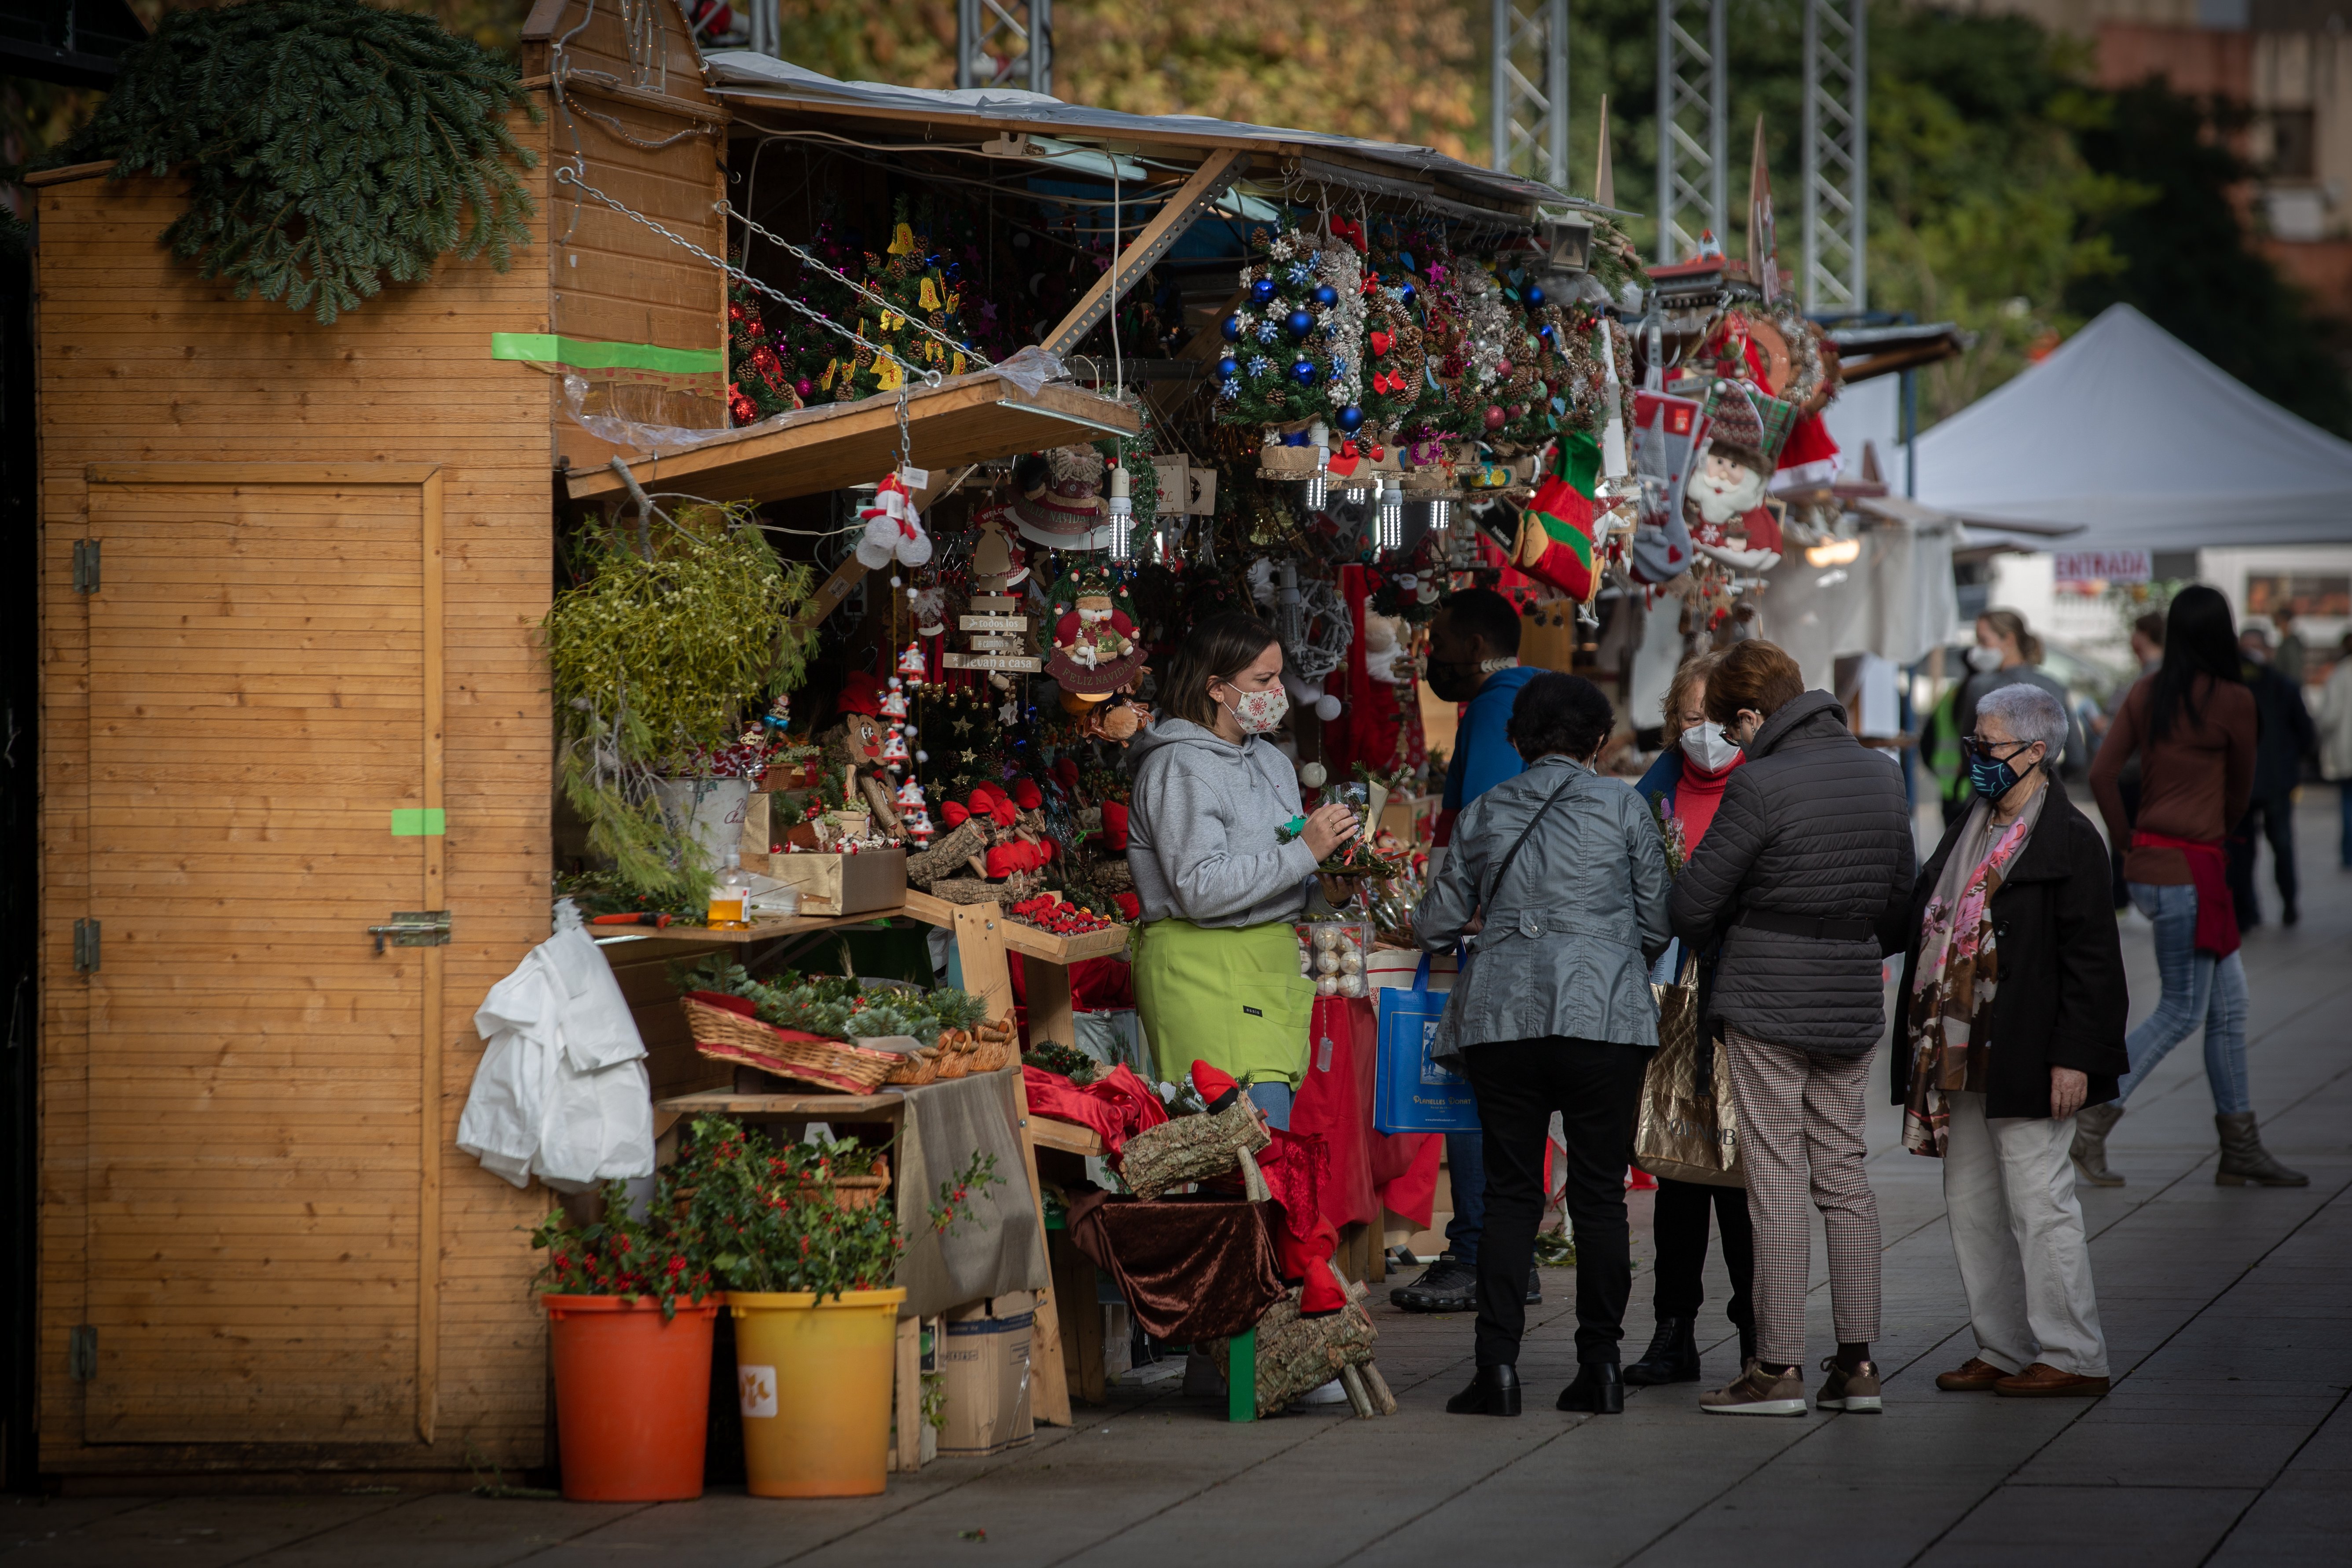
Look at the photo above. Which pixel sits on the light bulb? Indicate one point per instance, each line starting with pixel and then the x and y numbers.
pixel 1122 515
pixel 1318 491
pixel 1390 510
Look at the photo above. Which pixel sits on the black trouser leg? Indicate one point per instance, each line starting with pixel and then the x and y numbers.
pixel 2239 860
pixel 1738 1233
pixel 1678 1225
pixel 2278 827
pixel 1599 1090
pixel 1514 1112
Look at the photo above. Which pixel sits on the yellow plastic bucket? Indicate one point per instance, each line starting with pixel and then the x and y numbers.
pixel 813 1381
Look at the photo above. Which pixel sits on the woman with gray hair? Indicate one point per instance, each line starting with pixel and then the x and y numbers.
pixel 2014 1004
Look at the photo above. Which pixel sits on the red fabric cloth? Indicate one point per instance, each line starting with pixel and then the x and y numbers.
pixel 1097 985
pixel 1118 1105
pixel 1369 1171
pixel 1297 1167
pixel 2208 869
pixel 1697 795
pixel 1380 725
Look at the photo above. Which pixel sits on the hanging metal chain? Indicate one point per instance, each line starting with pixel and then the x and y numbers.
pixel 906 444
pixel 567 176
pixel 855 286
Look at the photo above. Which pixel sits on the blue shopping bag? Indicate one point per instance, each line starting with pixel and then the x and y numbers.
pixel 1411 1093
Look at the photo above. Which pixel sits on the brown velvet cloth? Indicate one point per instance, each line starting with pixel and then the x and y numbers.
pixel 1193 1268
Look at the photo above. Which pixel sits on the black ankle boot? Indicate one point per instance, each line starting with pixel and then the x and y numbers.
pixel 1673 1356
pixel 1495 1391
pixel 1598 1388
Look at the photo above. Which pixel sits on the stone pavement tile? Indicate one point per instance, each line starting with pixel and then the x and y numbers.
pixel 450 1530
pixel 1823 1523
pixel 2164 1451
pixel 730 1529
pixel 26 1523
pixel 2298 1521
pixel 2091 1527
pixel 199 1532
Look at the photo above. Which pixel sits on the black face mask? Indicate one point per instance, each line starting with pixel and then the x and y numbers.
pixel 1453 683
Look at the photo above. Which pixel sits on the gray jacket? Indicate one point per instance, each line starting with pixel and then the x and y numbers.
pixel 1814 827
pixel 1570 930
pixel 1201 829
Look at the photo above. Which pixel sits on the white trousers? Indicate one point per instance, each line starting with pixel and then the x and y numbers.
pixel 2017 1231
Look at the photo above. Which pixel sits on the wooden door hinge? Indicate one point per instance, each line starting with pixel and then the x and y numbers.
pixel 85 947
pixel 85 566
pixel 81 1353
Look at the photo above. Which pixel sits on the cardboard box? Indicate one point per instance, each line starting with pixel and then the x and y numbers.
pixel 1412 817
pixel 983 1356
pixel 834 884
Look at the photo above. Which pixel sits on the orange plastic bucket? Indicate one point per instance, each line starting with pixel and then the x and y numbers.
pixel 632 1396
pixel 814 1379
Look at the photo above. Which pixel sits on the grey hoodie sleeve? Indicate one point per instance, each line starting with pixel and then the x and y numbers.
pixel 1208 880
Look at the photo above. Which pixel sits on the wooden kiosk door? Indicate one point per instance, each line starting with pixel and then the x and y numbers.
pixel 264 785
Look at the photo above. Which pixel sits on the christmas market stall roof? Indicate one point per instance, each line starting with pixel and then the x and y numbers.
pixel 2131 438
pixel 744 80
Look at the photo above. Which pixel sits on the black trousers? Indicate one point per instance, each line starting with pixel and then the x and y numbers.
pixel 1679 1223
pixel 1597 1088
pixel 2273 817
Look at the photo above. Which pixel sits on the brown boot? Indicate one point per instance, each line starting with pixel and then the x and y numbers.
pixel 2092 1125
pixel 2244 1161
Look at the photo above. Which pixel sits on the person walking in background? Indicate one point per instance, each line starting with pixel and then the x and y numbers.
pixel 2008 652
pixel 1684 786
pixel 2334 728
pixel 2193 726
pixel 2284 737
pixel 1802 880
pixel 1474 658
pixel 2289 660
pixel 2014 1006
pixel 1560 879
pixel 2147 652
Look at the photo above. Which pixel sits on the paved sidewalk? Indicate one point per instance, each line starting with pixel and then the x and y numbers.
pixel 2228 1315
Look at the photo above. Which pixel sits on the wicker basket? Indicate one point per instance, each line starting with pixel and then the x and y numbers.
pixel 730 1037
pixel 854 1193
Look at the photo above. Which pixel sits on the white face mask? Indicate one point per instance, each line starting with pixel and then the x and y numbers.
pixel 1986 658
pixel 1709 747
pixel 1259 712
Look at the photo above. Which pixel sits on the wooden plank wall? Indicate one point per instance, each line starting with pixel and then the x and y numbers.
pixel 142 360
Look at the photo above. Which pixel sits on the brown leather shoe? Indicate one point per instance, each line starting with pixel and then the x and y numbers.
pixel 2043 1380
pixel 1976 1375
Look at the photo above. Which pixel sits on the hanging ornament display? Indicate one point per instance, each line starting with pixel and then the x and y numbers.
pixel 1299 355
pixel 892 528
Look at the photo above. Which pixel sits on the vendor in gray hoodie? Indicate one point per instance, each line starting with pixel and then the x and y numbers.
pixel 1225 859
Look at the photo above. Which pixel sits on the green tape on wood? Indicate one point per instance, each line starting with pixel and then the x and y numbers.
pixel 412 822
pixel 547 348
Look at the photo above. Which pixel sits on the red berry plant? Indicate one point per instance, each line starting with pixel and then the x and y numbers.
pixel 764 1216
pixel 620 1255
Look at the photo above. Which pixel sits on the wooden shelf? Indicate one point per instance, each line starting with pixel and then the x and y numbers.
pixel 1030 941
pixel 824 1106
pixel 760 930
pixel 1051 1132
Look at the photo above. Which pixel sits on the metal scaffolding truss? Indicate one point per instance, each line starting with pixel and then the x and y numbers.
pixel 1692 87
pixel 1530 97
pixel 1005 43
pixel 1837 155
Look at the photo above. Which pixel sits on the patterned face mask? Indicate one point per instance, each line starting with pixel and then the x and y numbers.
pixel 1258 712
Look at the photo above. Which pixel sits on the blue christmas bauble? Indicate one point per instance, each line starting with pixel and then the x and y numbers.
pixel 1262 292
pixel 1327 296
pixel 1406 292
pixel 1300 324
pixel 1304 372
pixel 1352 418
pixel 1544 332
pixel 1535 295
pixel 1228 368
pixel 1232 329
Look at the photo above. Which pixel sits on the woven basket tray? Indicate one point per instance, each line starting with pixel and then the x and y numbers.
pixel 730 1037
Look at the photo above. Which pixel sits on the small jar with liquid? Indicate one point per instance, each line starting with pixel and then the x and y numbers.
pixel 731 896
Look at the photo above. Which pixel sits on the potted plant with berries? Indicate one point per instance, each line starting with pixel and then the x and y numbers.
pixel 809 1282
pixel 629 1318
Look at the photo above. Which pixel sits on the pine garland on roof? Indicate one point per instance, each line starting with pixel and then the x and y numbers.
pixel 330 146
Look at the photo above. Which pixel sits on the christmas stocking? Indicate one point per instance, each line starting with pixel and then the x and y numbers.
pixel 1557 529
pixel 1666 435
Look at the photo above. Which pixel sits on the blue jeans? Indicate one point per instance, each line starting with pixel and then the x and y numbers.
pixel 2344 843
pixel 1466 1158
pixel 1273 1098
pixel 2198 988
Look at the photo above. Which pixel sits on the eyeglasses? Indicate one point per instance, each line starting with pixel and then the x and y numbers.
pixel 1974 750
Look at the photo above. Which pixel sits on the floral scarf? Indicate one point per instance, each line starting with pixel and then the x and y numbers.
pixel 1950 1018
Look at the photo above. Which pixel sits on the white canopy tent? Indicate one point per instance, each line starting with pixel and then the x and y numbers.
pixel 2128 434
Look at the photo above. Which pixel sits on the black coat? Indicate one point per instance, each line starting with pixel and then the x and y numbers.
pixel 1814 825
pixel 2063 1001
pixel 2283 730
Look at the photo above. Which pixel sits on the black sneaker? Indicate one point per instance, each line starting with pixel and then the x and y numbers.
pixel 1535 1287
pixel 1445 1286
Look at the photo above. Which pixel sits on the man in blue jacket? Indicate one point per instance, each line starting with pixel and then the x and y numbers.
pixel 1474 658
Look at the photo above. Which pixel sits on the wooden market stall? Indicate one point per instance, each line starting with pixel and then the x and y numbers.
pixel 296 775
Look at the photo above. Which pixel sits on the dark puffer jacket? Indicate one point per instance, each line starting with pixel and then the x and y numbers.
pixel 1814 826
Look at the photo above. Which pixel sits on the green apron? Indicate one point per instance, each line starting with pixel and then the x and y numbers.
pixel 1232 998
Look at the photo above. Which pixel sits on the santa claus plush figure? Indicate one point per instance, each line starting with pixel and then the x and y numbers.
pixel 1725 499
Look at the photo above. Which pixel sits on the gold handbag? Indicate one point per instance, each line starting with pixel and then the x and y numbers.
pixel 1686 1133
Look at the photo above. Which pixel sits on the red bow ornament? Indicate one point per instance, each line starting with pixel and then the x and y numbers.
pixel 1381 342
